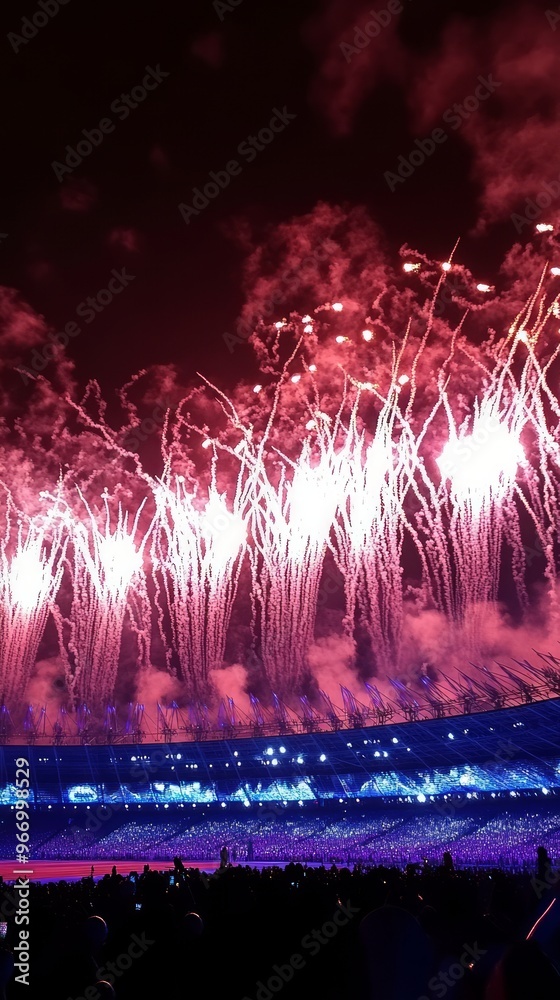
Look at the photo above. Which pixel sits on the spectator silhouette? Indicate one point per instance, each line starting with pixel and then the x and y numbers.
pixel 524 973
pixel 398 954
pixel 544 864
pixel 6 970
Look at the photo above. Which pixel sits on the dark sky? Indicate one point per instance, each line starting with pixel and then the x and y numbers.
pixel 356 112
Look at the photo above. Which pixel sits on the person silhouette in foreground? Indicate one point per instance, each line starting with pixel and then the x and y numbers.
pixel 544 864
pixel 448 862
pixel 224 857
pixel 524 973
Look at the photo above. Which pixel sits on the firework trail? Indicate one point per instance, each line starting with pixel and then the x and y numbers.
pixel 292 517
pixel 368 531
pixel 31 567
pixel 107 579
pixel 197 553
pixel 479 467
pixel 542 479
pixel 420 484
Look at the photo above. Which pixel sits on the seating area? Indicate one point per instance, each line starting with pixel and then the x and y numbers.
pixel 476 834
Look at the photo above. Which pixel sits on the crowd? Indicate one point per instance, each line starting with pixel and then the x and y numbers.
pixel 476 834
pixel 367 933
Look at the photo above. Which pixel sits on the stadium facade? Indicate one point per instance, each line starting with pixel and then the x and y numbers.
pixel 509 750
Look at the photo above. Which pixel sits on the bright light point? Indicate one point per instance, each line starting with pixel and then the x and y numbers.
pixel 446 266
pixel 26 576
pixel 367 335
pixel 308 328
pixel 340 339
pixel 280 324
pixel 409 266
pixel 296 378
pixel 312 368
pixel 421 797
pixel 544 227
pixel 207 443
pixel 544 791
pixel 322 758
pixel 403 379
pixel 310 425
pixel 337 307
pixel 482 463
pixel 481 287
pixel 300 760
pixel 270 751
pixel 282 749
pixel 306 319
pixel 523 336
pixel 555 271
pixel 257 388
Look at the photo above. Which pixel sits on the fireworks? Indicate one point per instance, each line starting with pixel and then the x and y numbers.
pixel 197 551
pixel 30 574
pixel 419 467
pixel 291 524
pixel 107 566
pixel 368 533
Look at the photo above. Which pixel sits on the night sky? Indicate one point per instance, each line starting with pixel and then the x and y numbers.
pixel 221 71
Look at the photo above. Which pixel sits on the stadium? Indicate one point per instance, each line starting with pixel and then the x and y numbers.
pixel 280 502
pixel 484 786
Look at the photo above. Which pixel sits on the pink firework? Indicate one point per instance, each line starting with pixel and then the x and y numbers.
pixel 197 552
pixel 291 522
pixel 31 566
pixel 107 579
pixel 369 529
pixel 479 467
